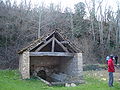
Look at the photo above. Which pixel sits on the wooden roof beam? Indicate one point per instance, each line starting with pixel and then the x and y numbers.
pixel 44 45
pixel 64 42
pixel 51 54
pixel 64 48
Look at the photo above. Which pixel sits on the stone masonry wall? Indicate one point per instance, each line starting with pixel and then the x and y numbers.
pixel 73 66
pixel 20 62
pixel 44 61
pixel 24 62
pixel 68 65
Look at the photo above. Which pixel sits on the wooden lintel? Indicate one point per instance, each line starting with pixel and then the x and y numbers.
pixel 51 54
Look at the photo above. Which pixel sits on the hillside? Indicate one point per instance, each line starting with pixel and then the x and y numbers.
pixel 21 23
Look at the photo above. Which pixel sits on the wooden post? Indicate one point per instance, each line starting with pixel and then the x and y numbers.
pixel 53 45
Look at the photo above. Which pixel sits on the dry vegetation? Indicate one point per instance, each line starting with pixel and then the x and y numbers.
pixel 97 36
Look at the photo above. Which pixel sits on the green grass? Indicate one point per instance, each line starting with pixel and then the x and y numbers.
pixel 10 80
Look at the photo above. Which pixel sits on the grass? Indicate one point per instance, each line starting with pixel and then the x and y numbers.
pixel 10 80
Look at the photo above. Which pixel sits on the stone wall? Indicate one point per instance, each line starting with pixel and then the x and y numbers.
pixel 73 66
pixel 49 64
pixel 24 65
pixel 69 65
pixel 20 62
pixel 44 61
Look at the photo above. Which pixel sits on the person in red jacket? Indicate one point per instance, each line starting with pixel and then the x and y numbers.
pixel 111 69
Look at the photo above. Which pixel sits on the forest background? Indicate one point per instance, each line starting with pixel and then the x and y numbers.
pixel 94 30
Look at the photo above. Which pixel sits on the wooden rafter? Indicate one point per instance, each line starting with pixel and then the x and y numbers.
pixel 72 47
pixel 53 39
pixel 64 42
pixel 69 48
pixel 64 48
pixel 50 35
pixel 59 39
pixel 43 45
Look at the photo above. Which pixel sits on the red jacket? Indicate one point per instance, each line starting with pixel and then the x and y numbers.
pixel 111 66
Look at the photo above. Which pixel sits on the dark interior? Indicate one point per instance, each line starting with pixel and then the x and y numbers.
pixel 42 74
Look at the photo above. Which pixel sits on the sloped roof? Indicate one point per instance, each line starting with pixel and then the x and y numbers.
pixel 54 37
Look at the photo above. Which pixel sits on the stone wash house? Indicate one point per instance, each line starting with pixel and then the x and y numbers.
pixel 52 58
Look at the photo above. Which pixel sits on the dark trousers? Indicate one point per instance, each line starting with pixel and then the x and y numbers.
pixel 116 61
pixel 110 83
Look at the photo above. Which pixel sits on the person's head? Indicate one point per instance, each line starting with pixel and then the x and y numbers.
pixel 111 56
